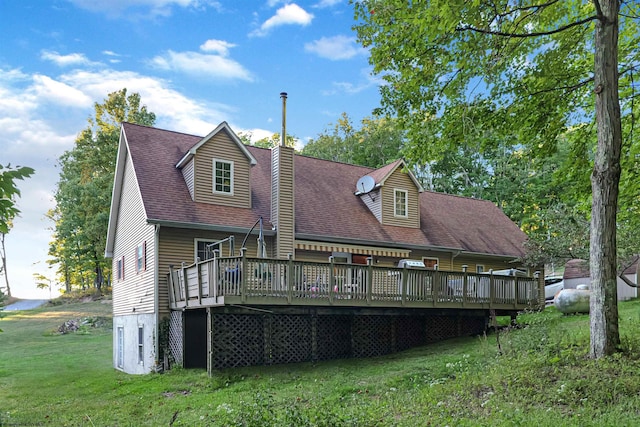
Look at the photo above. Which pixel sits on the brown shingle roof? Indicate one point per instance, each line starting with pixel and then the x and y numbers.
pixel 326 207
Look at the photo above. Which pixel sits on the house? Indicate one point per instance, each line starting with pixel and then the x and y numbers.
pixel 180 199
pixel 577 272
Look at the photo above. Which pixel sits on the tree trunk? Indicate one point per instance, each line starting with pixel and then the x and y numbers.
pixel 605 178
pixel 3 252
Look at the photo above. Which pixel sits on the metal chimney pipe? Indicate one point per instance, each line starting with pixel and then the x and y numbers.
pixel 283 135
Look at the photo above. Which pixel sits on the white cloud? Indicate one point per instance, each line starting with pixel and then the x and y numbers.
pixel 66 60
pixel 203 65
pixel 152 8
pixel 289 14
pixel 326 3
pixel 47 89
pixel 217 46
pixel 335 48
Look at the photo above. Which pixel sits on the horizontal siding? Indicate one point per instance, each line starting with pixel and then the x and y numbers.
pixel 488 263
pixel 283 166
pixel 373 201
pixel 178 246
pixel 187 173
pixel 401 181
pixel 221 147
pixel 134 294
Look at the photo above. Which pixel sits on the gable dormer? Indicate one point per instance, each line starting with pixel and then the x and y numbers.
pixel 392 195
pixel 217 169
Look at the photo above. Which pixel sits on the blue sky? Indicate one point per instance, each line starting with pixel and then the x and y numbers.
pixel 195 64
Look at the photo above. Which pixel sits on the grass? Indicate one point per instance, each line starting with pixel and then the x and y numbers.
pixel 537 375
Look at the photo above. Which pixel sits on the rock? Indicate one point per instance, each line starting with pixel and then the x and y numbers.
pixel 572 301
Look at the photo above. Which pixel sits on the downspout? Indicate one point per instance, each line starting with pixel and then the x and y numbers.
pixel 454 256
pixel 156 299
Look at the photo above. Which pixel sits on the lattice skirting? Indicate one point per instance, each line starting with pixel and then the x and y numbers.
pixel 265 339
pixel 175 339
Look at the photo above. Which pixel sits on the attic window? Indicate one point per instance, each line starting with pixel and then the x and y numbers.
pixel 400 203
pixel 222 177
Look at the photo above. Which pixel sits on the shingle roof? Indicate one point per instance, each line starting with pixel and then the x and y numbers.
pixel 326 207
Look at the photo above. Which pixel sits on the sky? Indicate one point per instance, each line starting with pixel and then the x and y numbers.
pixel 195 63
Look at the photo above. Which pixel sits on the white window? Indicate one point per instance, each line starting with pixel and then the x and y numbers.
pixel 205 248
pixel 222 177
pixel 141 344
pixel 430 262
pixel 120 269
pixel 141 257
pixel 400 203
pixel 120 348
pixel 479 268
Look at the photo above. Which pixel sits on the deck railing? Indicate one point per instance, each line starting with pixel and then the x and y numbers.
pixel 259 280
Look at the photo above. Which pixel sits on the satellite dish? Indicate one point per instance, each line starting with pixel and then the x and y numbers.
pixel 365 184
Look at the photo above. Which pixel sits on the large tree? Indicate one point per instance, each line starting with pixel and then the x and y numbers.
pixel 83 195
pixel 552 65
pixel 8 210
pixel 375 143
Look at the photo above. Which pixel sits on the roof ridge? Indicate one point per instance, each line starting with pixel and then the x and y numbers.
pixel 162 129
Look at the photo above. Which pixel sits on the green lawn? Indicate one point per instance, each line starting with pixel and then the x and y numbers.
pixel 537 375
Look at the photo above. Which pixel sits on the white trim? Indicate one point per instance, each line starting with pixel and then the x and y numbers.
pixel 120 347
pixel 230 163
pixel 480 268
pixel 395 203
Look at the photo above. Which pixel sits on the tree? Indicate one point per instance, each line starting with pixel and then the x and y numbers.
pixel 551 65
pixel 8 209
pixel 377 142
pixel 83 194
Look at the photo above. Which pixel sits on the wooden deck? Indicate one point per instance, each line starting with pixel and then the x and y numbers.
pixel 257 281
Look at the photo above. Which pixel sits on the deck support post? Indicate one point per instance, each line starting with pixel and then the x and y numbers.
pixel 172 288
pixel 290 277
pixel 243 275
pixel 369 279
pixel 465 285
pixel 332 279
pixel 185 282
pixel 492 290
pixel 209 342
pixel 405 280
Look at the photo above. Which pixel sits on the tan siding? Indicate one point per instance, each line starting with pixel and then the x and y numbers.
pixel 488 263
pixel 178 246
pixel 187 173
pixel 401 181
pixel 221 147
pixel 444 258
pixel 373 201
pixel 134 294
pixel 283 203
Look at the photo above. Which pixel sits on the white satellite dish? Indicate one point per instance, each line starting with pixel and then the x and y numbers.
pixel 365 184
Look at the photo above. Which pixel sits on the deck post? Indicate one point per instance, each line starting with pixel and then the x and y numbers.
pixel 515 293
pixel 199 282
pixel 405 280
pixel 209 342
pixel 172 289
pixel 369 279
pixel 185 282
pixel 289 276
pixel 465 285
pixel 492 290
pixel 243 275
pixel 216 273
pixel 332 279
pixel 438 288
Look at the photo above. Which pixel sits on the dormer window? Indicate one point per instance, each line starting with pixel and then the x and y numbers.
pixel 400 203
pixel 222 177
